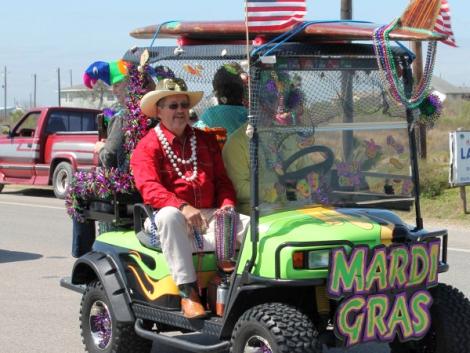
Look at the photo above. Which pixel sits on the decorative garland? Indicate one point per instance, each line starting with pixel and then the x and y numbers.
pixel 389 72
pixel 136 124
pixel 102 183
pixel 98 184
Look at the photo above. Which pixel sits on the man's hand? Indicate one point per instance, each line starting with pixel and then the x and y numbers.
pixel 98 146
pixel 195 218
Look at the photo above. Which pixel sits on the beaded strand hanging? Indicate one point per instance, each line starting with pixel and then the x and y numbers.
pixel 389 72
pixel 225 235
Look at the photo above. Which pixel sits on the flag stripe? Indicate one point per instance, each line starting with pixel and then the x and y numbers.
pixel 275 9
pixel 275 27
pixel 443 24
pixel 271 1
pixel 274 18
pixel 274 14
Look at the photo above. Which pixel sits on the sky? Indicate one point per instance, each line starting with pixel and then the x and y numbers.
pixel 38 37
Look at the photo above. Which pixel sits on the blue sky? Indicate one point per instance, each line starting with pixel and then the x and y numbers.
pixel 37 37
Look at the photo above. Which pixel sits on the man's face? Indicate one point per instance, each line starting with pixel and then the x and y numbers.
pixel 173 112
pixel 120 91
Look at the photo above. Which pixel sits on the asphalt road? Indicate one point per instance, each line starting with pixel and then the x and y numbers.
pixel 38 316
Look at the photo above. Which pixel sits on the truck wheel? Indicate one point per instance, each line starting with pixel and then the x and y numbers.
pixel 450 325
pixel 61 179
pixel 100 331
pixel 274 327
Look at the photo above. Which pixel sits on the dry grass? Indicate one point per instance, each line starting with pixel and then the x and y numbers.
pixel 448 205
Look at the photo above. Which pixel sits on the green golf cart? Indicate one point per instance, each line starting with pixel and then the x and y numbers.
pixel 325 262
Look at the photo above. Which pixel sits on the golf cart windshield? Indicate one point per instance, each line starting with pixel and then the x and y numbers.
pixel 329 134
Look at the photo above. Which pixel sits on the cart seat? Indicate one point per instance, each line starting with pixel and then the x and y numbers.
pixel 118 210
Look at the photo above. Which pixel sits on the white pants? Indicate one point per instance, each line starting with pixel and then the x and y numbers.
pixel 178 243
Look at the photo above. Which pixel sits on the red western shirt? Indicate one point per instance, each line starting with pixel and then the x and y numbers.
pixel 159 183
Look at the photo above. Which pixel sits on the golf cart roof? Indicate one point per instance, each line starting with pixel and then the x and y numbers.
pixel 238 52
pixel 208 31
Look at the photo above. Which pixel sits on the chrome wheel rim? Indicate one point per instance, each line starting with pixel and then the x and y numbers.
pixel 257 344
pixel 62 181
pixel 100 325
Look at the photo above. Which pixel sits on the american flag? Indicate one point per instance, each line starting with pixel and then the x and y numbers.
pixel 443 24
pixel 266 15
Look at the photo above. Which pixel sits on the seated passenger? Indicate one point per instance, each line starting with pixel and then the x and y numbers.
pixel 273 150
pixel 230 113
pixel 110 151
pixel 236 156
pixel 179 172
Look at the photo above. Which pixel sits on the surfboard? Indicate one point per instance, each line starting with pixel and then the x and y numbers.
pixel 236 31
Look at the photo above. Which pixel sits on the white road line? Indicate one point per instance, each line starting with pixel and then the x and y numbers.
pixel 31 205
pixel 459 250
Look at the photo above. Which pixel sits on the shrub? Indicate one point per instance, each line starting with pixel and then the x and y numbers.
pixel 433 179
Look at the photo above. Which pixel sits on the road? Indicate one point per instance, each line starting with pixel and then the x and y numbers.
pixel 38 316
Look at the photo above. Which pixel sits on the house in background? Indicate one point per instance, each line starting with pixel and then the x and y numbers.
pixel 79 96
pixel 451 91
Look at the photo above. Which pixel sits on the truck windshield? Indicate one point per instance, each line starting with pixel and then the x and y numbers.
pixel 329 135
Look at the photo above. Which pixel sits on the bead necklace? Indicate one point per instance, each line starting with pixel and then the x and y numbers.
pixel 174 159
pixel 388 70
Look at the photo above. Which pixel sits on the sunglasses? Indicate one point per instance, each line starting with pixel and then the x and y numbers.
pixel 174 106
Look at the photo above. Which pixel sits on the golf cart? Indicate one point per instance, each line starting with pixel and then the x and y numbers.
pixel 325 262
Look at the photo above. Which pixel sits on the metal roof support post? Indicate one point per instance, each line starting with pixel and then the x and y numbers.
pixel 408 81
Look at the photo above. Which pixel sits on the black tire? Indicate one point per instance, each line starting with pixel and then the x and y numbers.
pixel 61 179
pixel 1 187
pixel 100 331
pixel 276 326
pixel 450 325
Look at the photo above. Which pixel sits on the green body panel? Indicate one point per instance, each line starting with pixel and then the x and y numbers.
pixel 305 225
pixel 128 241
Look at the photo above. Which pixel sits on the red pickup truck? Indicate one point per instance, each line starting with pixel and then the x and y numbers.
pixel 47 145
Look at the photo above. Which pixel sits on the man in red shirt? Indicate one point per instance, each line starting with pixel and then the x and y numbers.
pixel 179 172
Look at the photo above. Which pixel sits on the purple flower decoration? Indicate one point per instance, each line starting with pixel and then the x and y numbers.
pixel 103 183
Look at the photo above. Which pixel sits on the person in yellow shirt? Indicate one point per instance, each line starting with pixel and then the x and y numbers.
pixel 236 156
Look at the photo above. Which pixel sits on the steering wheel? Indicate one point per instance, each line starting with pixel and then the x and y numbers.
pixel 320 168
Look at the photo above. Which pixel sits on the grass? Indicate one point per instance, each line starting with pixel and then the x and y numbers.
pixel 447 205
pixel 445 209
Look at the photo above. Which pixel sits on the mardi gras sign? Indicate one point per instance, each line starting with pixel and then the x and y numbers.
pixel 383 291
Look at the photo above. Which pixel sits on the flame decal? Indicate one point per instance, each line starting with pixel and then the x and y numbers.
pixel 152 289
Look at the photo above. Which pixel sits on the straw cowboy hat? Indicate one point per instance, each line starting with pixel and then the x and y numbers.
pixel 165 88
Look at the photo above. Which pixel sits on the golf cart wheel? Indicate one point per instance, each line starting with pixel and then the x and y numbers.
pixel 61 179
pixel 274 328
pixel 450 325
pixel 100 331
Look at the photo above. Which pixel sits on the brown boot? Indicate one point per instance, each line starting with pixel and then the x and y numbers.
pixel 190 303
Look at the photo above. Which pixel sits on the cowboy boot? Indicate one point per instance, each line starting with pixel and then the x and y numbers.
pixel 190 302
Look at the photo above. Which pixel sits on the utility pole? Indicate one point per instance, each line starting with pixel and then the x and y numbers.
pixel 5 92
pixel 58 84
pixel 417 48
pixel 346 9
pixel 34 90
pixel 346 90
pixel 70 77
